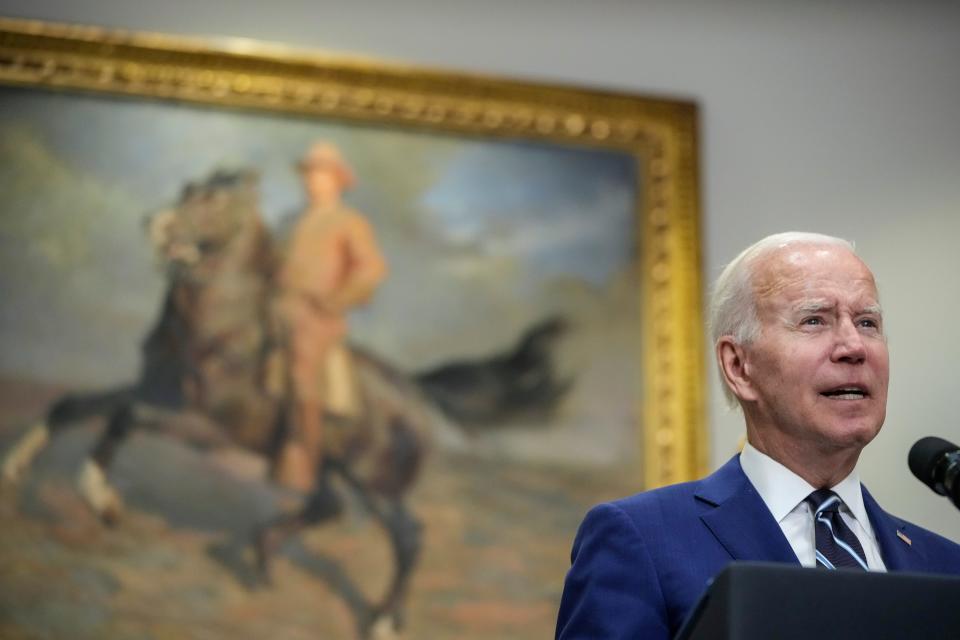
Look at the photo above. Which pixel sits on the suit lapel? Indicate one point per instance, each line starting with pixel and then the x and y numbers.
pixel 739 519
pixel 897 549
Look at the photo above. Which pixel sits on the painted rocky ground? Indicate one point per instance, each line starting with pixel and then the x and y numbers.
pixel 497 539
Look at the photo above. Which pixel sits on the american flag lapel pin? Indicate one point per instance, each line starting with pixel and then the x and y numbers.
pixel 902 536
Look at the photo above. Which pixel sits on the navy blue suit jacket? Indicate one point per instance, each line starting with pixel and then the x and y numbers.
pixel 640 564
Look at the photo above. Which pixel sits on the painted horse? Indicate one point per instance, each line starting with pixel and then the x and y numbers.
pixel 213 374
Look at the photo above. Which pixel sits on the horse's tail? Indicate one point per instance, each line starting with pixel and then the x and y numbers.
pixel 503 386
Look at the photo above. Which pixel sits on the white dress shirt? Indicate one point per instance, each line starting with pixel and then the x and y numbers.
pixel 784 493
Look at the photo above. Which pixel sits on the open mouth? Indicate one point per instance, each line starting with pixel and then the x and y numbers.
pixel 851 392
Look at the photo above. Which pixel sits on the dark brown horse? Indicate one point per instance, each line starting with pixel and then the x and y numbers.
pixel 213 374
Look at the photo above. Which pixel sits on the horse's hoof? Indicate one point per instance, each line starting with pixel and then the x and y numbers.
pixel 385 627
pixel 19 458
pixel 98 494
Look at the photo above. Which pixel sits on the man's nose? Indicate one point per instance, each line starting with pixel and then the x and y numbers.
pixel 849 346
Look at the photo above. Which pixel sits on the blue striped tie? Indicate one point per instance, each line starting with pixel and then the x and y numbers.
pixel 837 546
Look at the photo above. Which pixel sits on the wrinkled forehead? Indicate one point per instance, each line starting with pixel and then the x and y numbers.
pixel 802 270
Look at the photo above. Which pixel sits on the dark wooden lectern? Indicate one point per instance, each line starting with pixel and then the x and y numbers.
pixel 760 601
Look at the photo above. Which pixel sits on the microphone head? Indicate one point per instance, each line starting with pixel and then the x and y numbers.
pixel 924 456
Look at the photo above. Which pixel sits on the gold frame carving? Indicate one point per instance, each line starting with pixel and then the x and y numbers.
pixel 660 133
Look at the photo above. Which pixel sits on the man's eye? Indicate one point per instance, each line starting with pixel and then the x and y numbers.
pixel 812 321
pixel 869 323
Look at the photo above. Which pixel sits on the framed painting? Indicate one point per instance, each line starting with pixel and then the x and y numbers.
pixel 510 331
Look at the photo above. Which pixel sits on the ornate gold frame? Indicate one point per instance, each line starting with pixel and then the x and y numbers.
pixel 661 134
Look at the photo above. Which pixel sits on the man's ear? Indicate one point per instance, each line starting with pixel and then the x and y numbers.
pixel 732 358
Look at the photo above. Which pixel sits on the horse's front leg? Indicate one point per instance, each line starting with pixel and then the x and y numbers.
pixel 190 428
pixel 21 455
pixel 92 481
pixel 64 413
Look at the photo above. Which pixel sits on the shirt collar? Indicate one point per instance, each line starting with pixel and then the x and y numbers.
pixel 782 490
pixel 851 493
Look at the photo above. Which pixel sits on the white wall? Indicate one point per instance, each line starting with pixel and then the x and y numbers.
pixel 835 117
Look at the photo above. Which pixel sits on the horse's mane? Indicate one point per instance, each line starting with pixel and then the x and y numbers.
pixel 220 179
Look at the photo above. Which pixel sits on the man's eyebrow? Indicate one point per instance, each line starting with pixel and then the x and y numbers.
pixel 821 306
pixel 814 306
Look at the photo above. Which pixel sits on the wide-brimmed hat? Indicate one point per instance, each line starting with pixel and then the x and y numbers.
pixel 326 155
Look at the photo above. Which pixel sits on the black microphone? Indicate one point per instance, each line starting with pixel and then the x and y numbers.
pixel 936 463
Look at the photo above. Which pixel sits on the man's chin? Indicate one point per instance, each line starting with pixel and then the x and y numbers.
pixel 849 435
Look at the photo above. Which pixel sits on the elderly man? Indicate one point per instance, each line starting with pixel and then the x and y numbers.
pixel 799 341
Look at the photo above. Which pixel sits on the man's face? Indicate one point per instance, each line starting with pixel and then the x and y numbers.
pixel 321 181
pixel 818 371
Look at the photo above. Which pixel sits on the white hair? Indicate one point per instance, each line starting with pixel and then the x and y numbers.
pixel 733 308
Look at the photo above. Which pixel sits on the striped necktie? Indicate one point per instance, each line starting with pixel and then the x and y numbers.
pixel 837 545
